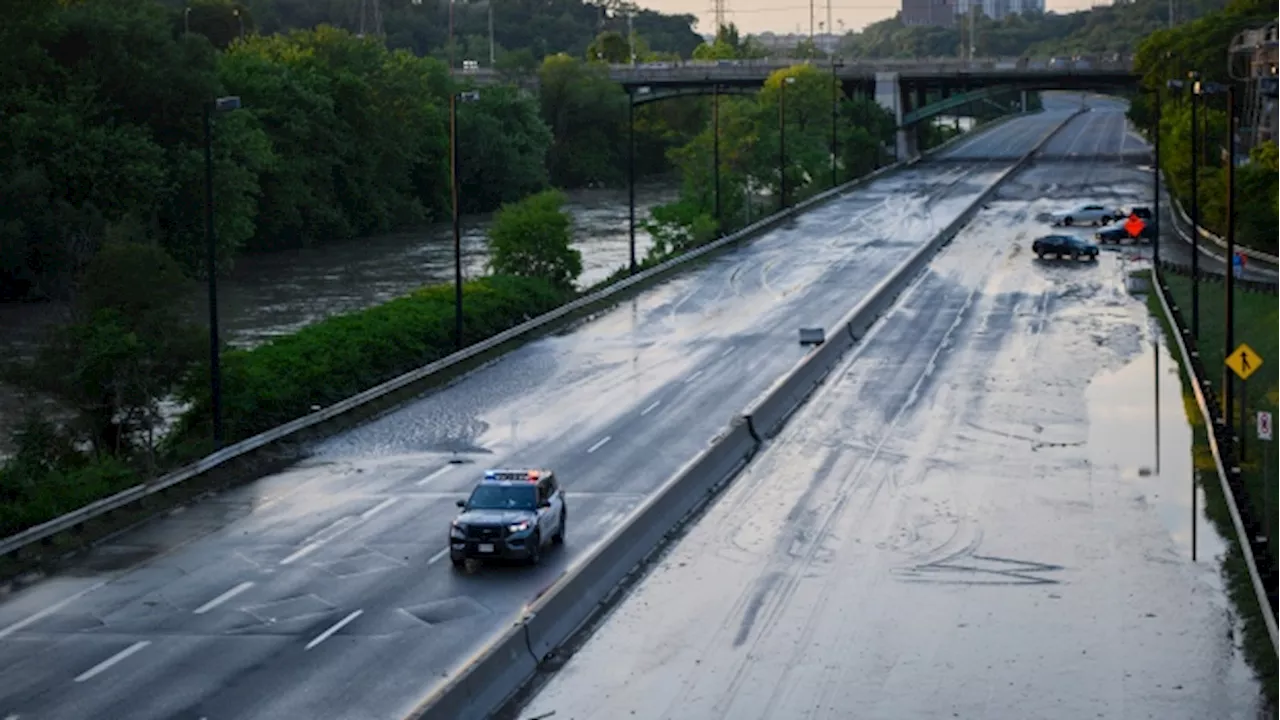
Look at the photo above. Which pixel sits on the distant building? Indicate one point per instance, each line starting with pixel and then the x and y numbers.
pixel 999 9
pixel 935 13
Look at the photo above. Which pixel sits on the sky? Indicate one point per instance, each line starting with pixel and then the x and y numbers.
pixel 784 16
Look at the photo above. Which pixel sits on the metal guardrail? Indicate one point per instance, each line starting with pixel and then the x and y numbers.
pixel 71 520
pixel 1217 240
pixel 1198 384
pixel 757 68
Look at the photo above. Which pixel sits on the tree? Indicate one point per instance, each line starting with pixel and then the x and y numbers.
pixel 129 347
pixel 532 238
pixel 502 148
pixel 609 47
pixel 586 112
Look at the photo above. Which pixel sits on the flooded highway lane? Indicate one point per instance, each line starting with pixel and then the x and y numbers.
pixel 971 519
pixel 322 591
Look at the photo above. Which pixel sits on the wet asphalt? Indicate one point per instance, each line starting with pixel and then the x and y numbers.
pixel 977 516
pixel 320 591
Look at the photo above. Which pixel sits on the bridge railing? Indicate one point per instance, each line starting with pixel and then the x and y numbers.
pixel 728 70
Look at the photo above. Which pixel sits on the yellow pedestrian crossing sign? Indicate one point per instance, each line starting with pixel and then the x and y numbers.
pixel 1244 361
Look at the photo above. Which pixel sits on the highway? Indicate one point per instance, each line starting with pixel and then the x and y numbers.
pixel 972 518
pixel 320 591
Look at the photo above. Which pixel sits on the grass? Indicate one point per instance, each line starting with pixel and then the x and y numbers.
pixel 1257 313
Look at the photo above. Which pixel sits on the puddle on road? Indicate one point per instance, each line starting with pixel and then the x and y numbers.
pixel 1153 451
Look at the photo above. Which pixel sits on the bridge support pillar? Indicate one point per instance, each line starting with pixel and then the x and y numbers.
pixel 1024 101
pixel 889 95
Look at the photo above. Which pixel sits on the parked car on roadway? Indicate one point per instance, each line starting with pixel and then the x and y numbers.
pixel 1087 214
pixel 1118 233
pixel 1062 246
pixel 511 514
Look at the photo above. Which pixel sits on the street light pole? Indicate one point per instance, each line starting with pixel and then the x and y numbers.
pixel 715 153
pixel 1155 184
pixel 1229 284
pixel 222 104
pixel 631 178
pixel 457 220
pixel 1195 211
pixel 782 144
pixel 835 106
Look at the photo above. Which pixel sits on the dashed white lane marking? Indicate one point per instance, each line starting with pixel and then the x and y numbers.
pixel 599 444
pixel 649 409
pixel 48 611
pixel 334 628
pixel 377 508
pixel 301 552
pixel 433 475
pixel 106 665
pixel 436 558
pixel 726 353
pixel 693 377
pixel 223 598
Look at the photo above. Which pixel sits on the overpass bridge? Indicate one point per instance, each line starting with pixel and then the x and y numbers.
pixel 913 90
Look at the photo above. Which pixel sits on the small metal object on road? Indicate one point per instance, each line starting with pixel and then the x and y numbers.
pixel 1244 361
pixel 812 336
pixel 1264 425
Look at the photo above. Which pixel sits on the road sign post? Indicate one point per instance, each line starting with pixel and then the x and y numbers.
pixel 1244 362
pixel 1264 436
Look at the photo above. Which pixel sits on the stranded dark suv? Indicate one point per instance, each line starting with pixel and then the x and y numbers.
pixel 511 515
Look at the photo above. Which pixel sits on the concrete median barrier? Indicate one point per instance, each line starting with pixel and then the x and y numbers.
pixel 770 411
pixel 580 593
pixel 590 586
pixel 484 682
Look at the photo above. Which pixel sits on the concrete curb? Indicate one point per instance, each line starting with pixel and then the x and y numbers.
pixel 485 684
pixel 1198 385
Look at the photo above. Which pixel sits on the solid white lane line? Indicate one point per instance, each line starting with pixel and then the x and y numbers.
pixel 223 598
pixel 434 475
pixel 649 409
pixel 48 611
pixel 302 552
pixel 726 353
pixel 106 664
pixel 599 444
pixel 436 558
pixel 693 377
pixel 377 508
pixel 335 628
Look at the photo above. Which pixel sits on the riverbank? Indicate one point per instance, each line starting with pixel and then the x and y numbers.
pixel 1256 324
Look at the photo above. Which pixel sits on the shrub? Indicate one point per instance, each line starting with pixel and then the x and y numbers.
pixel 346 354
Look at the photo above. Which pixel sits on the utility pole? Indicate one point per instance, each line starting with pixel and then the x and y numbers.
pixel 492 52
pixel 715 153
pixel 631 35
pixel 811 48
pixel 718 10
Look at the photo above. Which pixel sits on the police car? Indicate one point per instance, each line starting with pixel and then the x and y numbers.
pixel 511 515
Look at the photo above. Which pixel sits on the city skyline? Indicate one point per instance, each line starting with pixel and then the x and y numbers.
pixel 785 16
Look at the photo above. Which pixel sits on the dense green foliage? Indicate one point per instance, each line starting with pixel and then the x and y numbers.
pixel 346 354
pixel 532 238
pixel 1201 46
pixel 1102 29
pixel 750 157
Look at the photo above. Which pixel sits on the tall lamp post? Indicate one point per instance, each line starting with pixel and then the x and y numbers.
pixel 218 105
pixel 1229 281
pixel 454 98
pixel 631 170
pixel 835 111
pixel 782 141
pixel 715 154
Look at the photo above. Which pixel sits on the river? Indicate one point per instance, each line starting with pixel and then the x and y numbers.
pixel 277 293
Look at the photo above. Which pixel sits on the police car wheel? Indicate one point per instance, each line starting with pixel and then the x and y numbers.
pixel 535 549
pixel 459 563
pixel 558 538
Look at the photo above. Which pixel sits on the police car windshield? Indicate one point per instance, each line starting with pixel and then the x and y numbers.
pixel 503 497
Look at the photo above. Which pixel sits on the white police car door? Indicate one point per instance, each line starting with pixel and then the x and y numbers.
pixel 549 517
